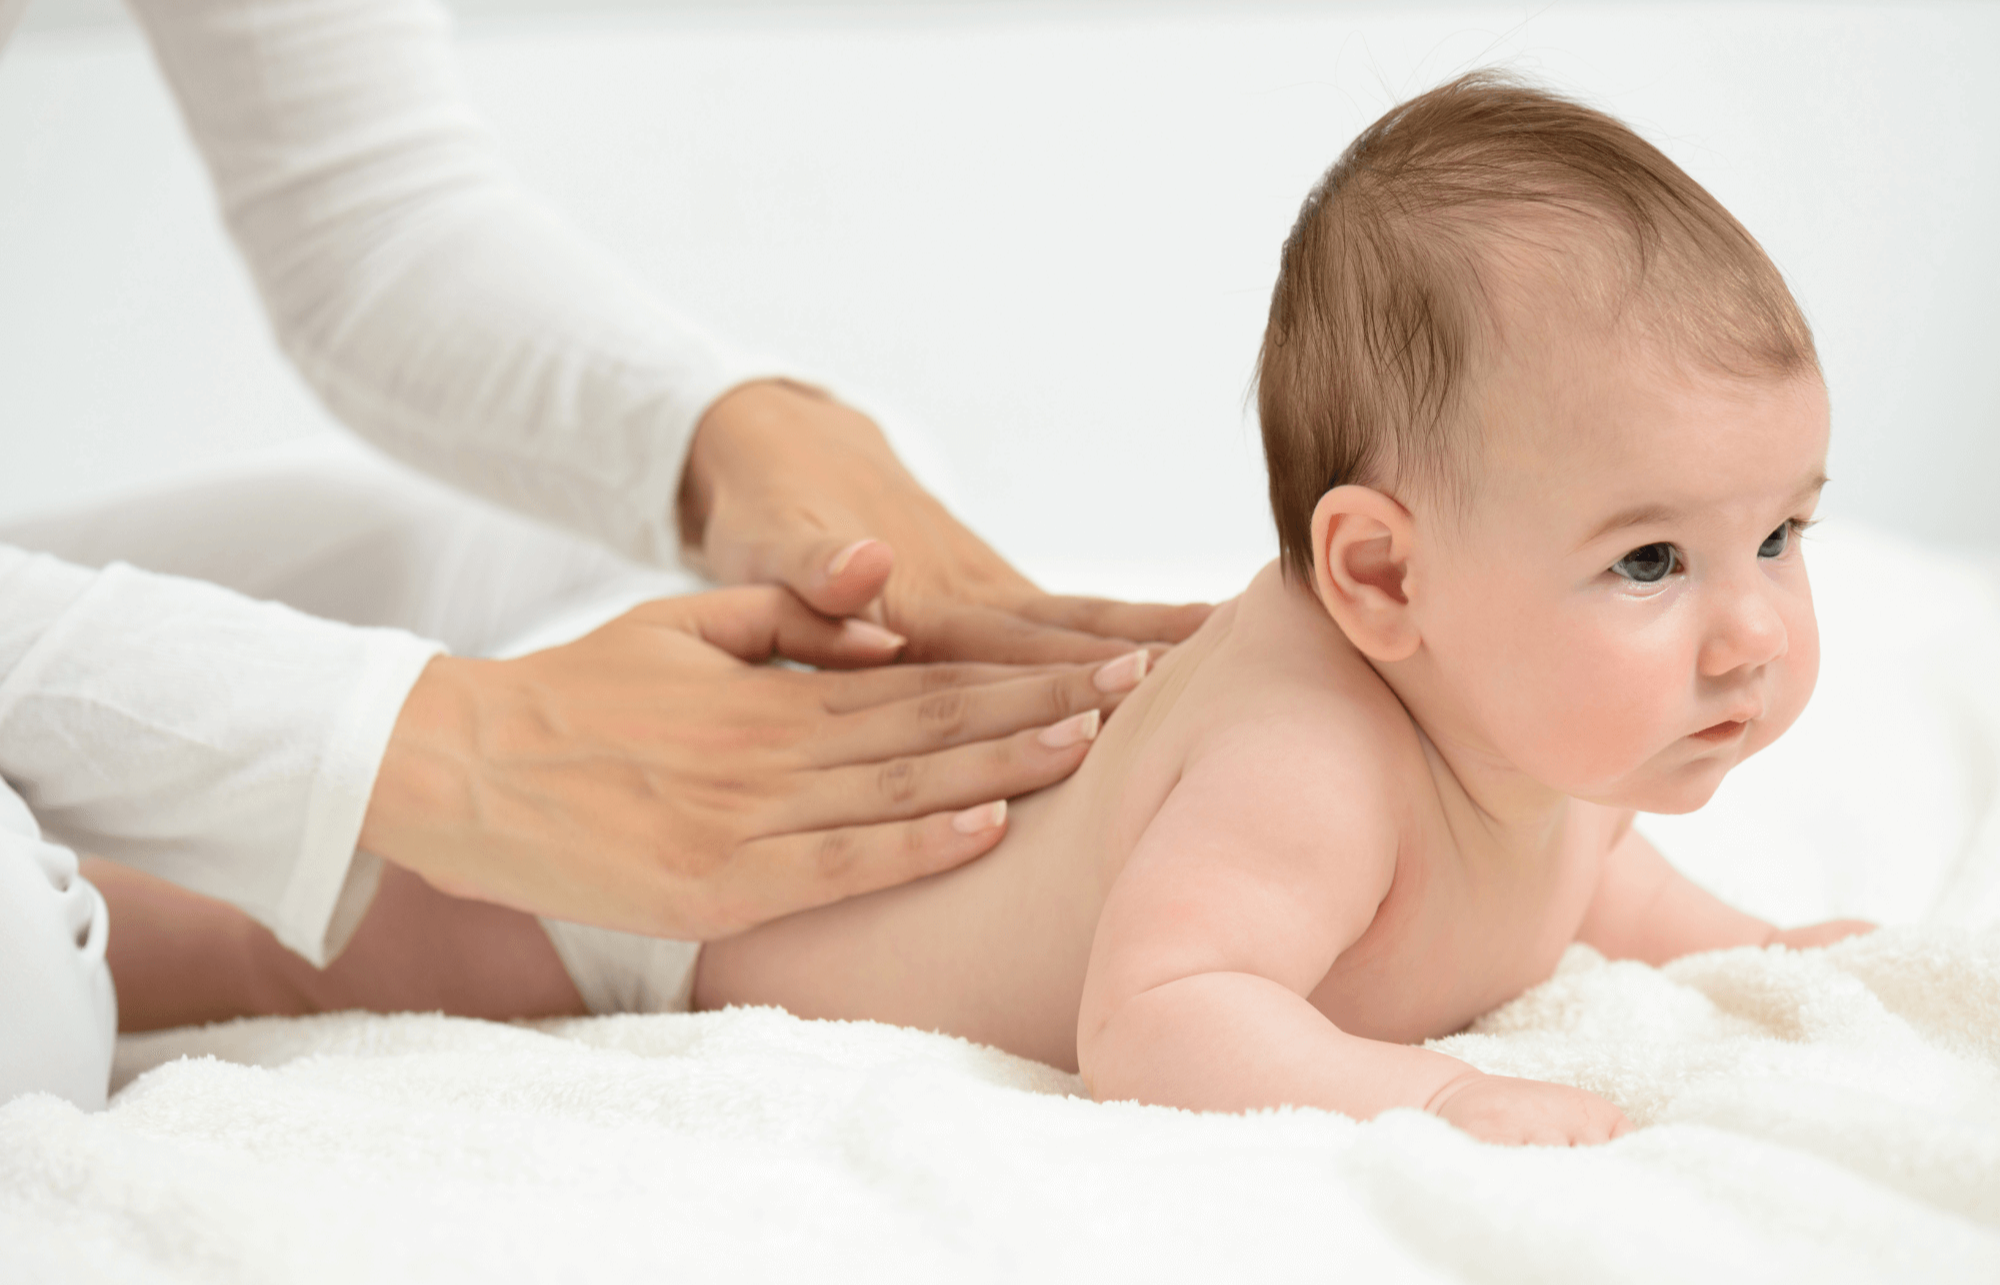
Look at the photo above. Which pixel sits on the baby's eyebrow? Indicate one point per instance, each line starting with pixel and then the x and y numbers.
pixel 1650 514
pixel 1641 515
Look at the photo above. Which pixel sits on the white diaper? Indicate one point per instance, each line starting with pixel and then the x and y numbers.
pixel 624 972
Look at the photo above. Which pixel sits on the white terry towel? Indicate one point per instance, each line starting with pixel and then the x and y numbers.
pixel 1826 1116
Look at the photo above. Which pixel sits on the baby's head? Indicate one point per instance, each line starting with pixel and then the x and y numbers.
pixel 1543 423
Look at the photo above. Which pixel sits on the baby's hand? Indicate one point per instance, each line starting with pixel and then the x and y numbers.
pixel 1501 1108
pixel 1825 934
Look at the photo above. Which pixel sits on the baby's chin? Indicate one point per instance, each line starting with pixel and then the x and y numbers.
pixel 1686 788
pixel 1673 783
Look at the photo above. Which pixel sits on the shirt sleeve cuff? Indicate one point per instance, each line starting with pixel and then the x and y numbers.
pixel 332 883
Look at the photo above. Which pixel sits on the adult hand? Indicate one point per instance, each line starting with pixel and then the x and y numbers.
pixel 786 486
pixel 646 777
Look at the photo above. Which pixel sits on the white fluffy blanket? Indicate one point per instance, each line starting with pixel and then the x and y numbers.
pixel 1826 1116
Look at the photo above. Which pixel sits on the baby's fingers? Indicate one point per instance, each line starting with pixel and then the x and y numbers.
pixel 1595 1122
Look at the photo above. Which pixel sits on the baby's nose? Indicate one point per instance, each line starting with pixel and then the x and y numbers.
pixel 1747 631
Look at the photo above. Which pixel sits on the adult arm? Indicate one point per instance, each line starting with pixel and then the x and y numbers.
pixel 649 776
pixel 654 776
pixel 1645 909
pixel 784 484
pixel 455 322
pixel 1227 916
pixel 225 744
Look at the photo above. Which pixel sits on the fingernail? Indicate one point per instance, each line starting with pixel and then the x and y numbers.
pixel 870 635
pixel 987 816
pixel 845 556
pixel 1071 731
pixel 1122 674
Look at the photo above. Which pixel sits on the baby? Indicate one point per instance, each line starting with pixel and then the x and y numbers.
pixel 1543 427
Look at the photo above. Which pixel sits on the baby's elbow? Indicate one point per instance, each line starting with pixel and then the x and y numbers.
pixel 1100 1081
pixel 1092 1048
pixel 1104 1058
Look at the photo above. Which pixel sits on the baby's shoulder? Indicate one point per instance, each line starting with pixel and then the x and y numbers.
pixel 1316 704
pixel 1282 725
pixel 1325 752
pixel 1311 756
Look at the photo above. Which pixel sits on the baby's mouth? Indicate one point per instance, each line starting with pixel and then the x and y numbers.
pixel 1721 732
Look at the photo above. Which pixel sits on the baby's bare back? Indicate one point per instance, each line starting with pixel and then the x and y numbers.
pixel 994 951
pixel 997 950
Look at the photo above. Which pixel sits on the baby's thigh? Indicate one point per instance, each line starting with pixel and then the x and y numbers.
pixel 420 950
pixel 178 958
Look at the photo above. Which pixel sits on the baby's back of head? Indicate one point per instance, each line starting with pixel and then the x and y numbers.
pixel 1480 200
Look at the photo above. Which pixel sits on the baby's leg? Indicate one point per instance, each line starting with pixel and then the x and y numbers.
pixel 179 959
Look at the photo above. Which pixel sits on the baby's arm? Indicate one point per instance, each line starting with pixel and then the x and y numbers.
pixel 1267 860
pixel 1645 909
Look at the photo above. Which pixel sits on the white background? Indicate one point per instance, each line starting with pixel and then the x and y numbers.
pixel 1037 240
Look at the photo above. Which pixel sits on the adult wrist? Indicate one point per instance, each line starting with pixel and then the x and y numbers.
pixel 759 431
pixel 422 790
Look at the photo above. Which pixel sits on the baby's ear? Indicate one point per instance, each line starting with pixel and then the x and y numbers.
pixel 1362 542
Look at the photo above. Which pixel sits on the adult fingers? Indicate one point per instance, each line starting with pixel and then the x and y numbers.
pixel 963 714
pixel 837 574
pixel 944 780
pixel 865 687
pixel 1147 621
pixel 825 557
pixel 756 622
pixel 961 631
pixel 794 872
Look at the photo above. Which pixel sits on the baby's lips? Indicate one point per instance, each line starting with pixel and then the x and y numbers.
pixel 1728 728
pixel 1745 713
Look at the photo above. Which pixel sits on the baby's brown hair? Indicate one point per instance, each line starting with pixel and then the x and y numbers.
pixel 1383 304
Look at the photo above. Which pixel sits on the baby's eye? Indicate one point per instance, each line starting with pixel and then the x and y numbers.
pixel 1776 543
pixel 1648 563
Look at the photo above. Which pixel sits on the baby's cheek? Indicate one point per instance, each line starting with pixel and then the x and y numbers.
pixel 1803 655
pixel 1605 711
pixel 1633 724
pixel 1794 676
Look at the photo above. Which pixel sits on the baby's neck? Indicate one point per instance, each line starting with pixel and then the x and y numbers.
pixel 1495 809
pixel 1513 817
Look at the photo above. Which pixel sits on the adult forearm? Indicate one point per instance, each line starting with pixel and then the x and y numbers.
pixel 1237 1042
pixel 433 304
pixel 655 776
pixel 222 743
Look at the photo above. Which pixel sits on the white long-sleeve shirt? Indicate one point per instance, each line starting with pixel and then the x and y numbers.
pixel 232 745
